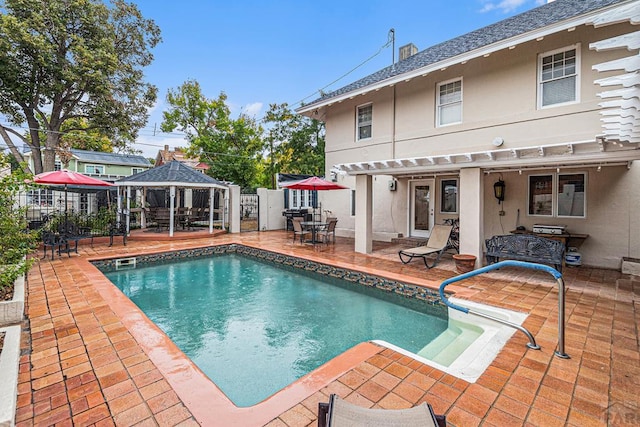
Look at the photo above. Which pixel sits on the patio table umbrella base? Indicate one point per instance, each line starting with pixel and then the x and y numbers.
pixel 464 262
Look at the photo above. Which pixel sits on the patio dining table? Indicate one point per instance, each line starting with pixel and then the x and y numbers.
pixel 314 226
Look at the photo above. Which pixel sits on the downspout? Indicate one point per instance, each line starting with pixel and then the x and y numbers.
pixel 393 124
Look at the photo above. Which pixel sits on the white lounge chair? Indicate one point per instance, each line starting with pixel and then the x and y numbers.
pixel 436 244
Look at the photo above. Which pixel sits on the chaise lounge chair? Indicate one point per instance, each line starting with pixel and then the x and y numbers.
pixel 436 244
pixel 338 413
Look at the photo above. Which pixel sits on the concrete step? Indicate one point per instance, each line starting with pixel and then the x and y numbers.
pixel 409 241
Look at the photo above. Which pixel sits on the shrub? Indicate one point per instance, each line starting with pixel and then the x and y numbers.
pixel 16 240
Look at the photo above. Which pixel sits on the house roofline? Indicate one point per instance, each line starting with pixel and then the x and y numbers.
pixel 509 43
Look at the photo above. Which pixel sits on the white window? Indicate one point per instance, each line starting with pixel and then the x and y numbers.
pixel 94 169
pixel 558 77
pixel 57 166
pixel 449 108
pixel 40 197
pixel 449 196
pixel 300 199
pixel 135 171
pixel 364 121
pixel 558 195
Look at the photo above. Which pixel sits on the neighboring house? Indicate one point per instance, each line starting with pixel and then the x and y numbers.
pixel 108 167
pixel 167 156
pixel 105 166
pixel 545 101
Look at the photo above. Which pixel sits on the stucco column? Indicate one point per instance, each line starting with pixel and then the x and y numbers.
pixel 471 213
pixel 364 214
pixel 172 208
pixel 234 209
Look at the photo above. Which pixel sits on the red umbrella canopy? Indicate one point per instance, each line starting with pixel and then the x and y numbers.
pixel 314 183
pixel 67 177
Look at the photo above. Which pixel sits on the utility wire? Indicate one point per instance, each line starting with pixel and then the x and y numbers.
pixel 180 135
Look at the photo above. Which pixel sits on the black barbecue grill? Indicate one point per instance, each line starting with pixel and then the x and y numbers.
pixel 296 213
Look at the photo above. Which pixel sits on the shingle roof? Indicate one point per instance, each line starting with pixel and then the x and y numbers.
pixel 534 19
pixel 173 173
pixel 111 158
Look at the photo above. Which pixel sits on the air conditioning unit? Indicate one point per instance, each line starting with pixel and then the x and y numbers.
pixel 393 185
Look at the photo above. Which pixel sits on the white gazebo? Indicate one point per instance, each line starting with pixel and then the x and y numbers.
pixel 173 175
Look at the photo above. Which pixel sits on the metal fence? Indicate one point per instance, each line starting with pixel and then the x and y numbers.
pixel 249 212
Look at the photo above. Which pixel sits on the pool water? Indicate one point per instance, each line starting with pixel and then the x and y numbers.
pixel 254 328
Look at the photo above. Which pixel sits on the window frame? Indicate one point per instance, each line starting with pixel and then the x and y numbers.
pixel 584 200
pixel 135 171
pixel 300 199
pixel 439 105
pixel 95 168
pixel 443 192
pixel 555 180
pixel 360 125
pixel 540 82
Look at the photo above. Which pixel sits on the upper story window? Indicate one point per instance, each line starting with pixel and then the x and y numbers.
pixel 364 121
pixel 558 77
pixel 94 169
pixel 57 166
pixel 136 171
pixel 449 103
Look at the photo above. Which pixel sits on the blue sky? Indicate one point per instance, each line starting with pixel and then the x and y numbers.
pixel 260 52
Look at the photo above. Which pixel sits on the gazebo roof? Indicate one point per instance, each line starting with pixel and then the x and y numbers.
pixel 171 174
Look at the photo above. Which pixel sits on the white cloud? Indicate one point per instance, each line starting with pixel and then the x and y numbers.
pixel 252 109
pixel 504 6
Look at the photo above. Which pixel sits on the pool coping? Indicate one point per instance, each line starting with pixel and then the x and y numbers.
pixel 208 404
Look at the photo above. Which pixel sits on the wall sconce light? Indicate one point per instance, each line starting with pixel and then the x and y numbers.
pixel 498 190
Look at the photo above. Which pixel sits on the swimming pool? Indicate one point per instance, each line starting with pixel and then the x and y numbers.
pixel 253 326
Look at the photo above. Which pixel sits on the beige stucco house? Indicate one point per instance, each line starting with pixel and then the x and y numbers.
pixel 545 101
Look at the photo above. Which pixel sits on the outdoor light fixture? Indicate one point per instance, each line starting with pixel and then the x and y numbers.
pixel 498 190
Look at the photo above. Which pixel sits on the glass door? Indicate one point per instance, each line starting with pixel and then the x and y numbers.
pixel 421 207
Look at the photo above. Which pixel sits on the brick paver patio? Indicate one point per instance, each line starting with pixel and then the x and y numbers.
pixel 82 364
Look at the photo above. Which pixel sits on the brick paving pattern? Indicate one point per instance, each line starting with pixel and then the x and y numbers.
pixel 81 366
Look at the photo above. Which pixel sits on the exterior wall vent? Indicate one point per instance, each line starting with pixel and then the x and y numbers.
pixel 407 50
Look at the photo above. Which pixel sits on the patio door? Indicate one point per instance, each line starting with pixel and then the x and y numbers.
pixel 422 202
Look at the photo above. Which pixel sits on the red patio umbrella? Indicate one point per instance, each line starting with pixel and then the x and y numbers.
pixel 66 177
pixel 315 184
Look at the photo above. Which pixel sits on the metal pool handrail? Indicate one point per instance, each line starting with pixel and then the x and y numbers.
pixel 532 342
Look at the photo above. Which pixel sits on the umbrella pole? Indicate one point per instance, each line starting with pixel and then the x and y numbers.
pixel 65 209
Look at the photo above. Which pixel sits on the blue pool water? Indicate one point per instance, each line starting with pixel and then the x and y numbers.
pixel 254 328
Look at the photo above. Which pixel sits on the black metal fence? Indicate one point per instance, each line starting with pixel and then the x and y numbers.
pixel 249 212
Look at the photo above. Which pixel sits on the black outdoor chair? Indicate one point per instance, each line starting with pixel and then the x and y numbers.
pixel 73 233
pixel 118 229
pixel 54 241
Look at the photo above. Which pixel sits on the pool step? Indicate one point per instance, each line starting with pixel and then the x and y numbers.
pixel 451 343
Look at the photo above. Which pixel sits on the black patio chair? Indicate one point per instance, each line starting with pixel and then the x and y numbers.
pixel 54 241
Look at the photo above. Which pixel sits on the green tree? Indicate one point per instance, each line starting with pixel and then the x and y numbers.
pixel 16 242
pixel 231 147
pixel 295 143
pixel 66 60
